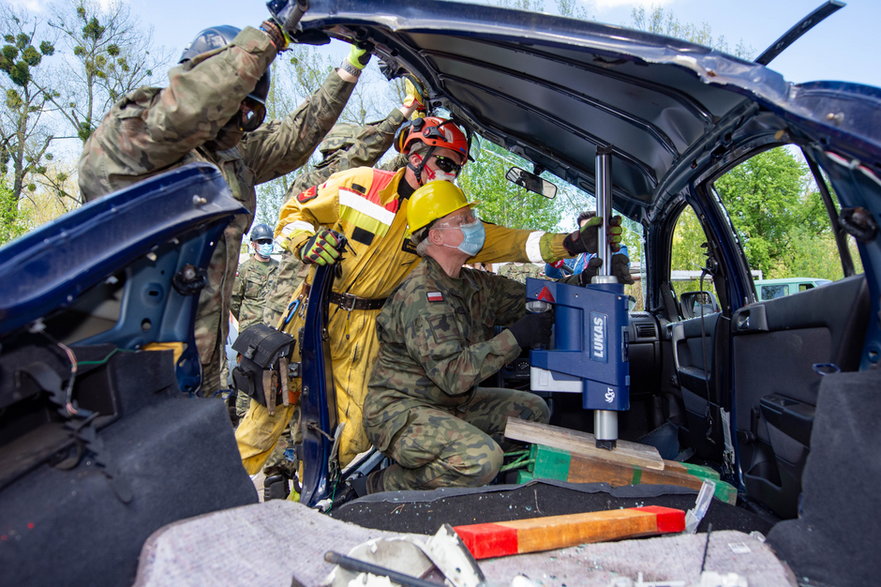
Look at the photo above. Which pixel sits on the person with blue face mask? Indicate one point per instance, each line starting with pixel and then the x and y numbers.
pixel 425 408
pixel 255 278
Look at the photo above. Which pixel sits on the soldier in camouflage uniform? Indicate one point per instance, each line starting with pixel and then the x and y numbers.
pixel 346 146
pixel 254 278
pixel 212 111
pixel 424 408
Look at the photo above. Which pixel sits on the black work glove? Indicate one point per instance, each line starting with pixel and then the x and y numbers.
pixel 590 270
pixel 533 329
pixel 286 15
pixel 585 239
pixel 390 71
pixel 621 268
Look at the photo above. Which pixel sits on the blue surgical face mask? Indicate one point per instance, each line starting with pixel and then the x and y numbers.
pixel 264 250
pixel 474 238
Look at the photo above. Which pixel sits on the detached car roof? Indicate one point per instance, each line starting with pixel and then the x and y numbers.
pixel 555 90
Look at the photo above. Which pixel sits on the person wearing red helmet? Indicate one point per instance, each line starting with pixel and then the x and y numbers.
pixel 369 207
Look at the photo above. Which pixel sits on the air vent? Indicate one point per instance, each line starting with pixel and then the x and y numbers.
pixel 646 330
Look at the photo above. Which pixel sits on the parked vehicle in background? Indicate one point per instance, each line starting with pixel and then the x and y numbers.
pixel 769 289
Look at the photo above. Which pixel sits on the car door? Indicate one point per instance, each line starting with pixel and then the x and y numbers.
pixel 779 349
pixel 695 329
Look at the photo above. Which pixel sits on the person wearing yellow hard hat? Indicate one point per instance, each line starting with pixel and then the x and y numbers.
pixel 424 408
pixel 369 207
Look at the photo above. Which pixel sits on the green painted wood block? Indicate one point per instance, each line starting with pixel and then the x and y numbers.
pixel 549 463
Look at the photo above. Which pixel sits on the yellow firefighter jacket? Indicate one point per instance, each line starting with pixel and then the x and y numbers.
pixel 364 205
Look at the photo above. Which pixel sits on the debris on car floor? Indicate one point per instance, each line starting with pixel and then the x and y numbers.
pixel 167 557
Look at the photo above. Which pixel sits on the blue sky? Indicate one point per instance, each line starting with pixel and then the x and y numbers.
pixel 844 47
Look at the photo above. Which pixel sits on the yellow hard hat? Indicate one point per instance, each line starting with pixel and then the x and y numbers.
pixel 434 200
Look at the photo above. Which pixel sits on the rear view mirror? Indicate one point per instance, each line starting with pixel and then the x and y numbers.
pixel 695 303
pixel 531 182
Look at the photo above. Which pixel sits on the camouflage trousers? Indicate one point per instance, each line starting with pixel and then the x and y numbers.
pixel 457 447
pixel 212 316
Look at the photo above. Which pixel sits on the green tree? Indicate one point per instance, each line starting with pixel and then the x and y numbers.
pixel 24 136
pixel 111 55
pixel 661 21
pixel 501 201
pixel 295 75
pixel 768 200
pixel 13 222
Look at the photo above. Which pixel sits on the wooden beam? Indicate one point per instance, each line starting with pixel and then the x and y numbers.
pixel 553 463
pixel 550 532
pixel 584 444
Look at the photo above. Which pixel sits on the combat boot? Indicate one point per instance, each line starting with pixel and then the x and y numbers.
pixel 276 484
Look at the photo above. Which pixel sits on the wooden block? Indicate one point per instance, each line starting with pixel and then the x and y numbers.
pixel 550 532
pixel 584 444
pixel 551 463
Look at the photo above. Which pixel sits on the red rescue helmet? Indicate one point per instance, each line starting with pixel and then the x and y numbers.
pixel 434 132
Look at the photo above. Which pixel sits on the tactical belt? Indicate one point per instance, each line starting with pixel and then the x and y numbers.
pixel 351 302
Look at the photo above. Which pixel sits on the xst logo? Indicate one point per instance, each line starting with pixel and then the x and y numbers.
pixel 598 343
pixel 610 395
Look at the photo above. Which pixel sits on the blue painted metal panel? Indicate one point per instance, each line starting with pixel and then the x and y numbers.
pixel 48 268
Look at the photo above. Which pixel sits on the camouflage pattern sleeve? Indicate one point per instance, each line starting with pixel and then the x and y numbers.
pixel 368 146
pixel 151 128
pixel 508 297
pixel 281 146
pixel 394 163
pixel 434 338
pixel 371 143
pixel 238 290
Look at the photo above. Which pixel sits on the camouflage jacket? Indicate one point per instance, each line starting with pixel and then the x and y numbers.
pixel 253 279
pixel 153 129
pixel 371 143
pixel 437 342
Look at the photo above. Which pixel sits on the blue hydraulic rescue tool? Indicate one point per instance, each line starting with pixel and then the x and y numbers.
pixel 318 402
pixel 589 354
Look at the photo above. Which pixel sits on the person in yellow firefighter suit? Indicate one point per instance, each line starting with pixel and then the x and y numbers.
pixel 369 207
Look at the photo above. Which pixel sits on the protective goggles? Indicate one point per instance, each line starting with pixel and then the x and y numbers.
pixel 447 165
pixel 253 114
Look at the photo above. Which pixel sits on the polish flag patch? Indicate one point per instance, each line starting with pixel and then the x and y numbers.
pixel 434 296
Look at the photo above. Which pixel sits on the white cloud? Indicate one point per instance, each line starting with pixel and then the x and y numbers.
pixel 105 4
pixel 35 6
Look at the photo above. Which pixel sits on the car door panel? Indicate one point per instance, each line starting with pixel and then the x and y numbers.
pixel 780 350
pixel 693 344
